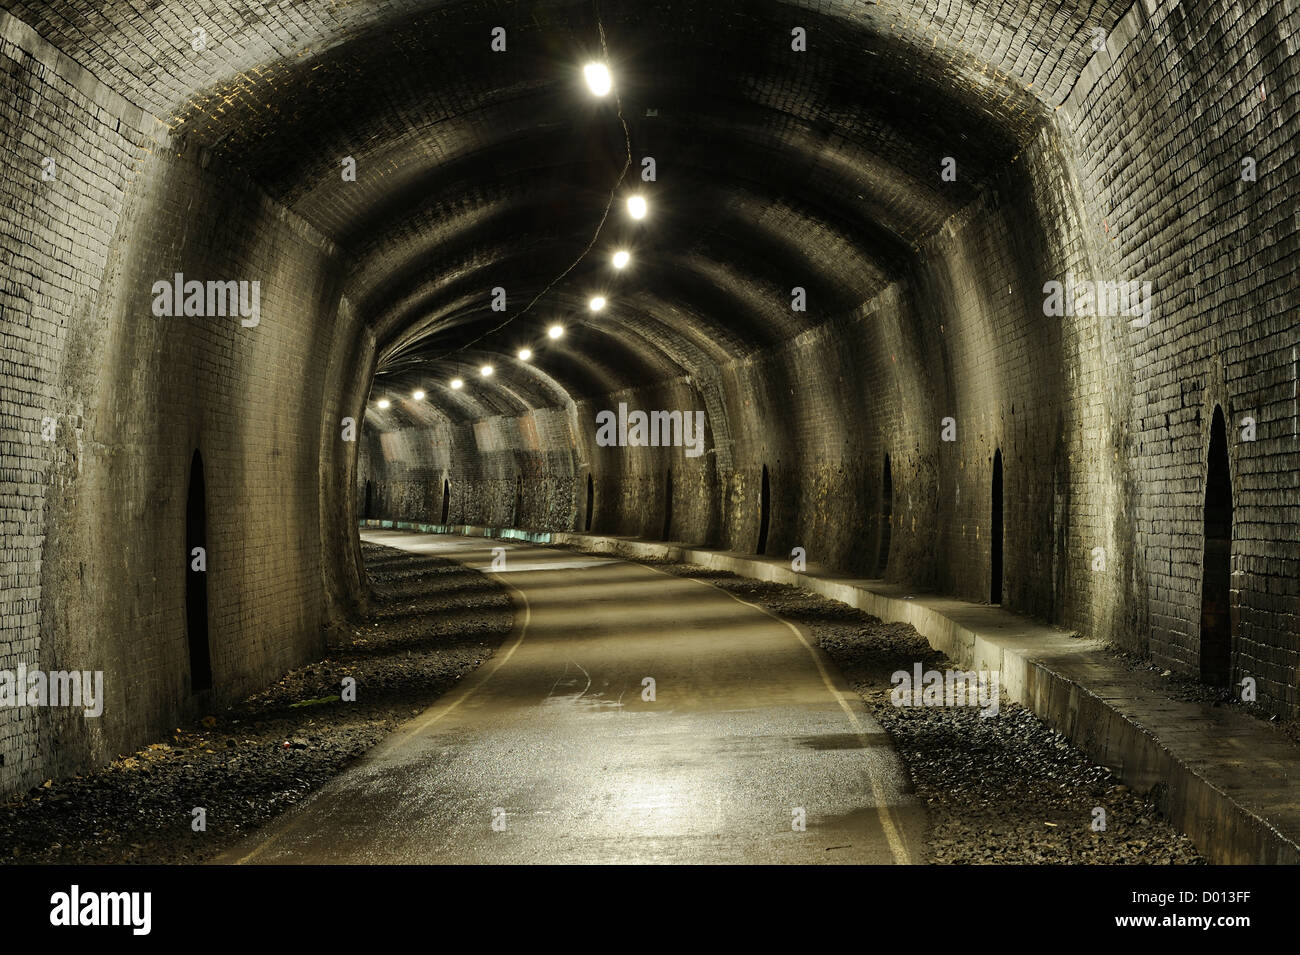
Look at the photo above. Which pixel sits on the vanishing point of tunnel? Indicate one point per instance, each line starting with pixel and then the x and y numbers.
pixel 685 431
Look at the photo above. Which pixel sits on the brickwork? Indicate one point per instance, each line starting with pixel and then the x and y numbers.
pixel 56 242
pixel 94 528
pixel 1221 252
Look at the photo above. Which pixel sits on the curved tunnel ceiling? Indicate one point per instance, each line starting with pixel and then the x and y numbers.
pixel 478 169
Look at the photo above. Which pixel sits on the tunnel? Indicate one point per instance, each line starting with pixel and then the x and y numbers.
pixel 971 323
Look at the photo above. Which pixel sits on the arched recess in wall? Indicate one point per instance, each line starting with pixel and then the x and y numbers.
pixel 591 501
pixel 668 506
pixel 995 533
pixel 764 512
pixel 884 532
pixel 446 500
pixel 1216 577
pixel 196 578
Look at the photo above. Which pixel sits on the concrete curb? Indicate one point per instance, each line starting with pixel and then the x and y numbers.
pixel 1224 778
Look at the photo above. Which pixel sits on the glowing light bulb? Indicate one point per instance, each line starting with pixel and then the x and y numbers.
pixel 485 371
pixel 555 331
pixel 598 78
pixel 621 259
pixel 525 354
pixel 383 402
pixel 597 303
pixel 418 396
pixel 457 384
pixel 636 207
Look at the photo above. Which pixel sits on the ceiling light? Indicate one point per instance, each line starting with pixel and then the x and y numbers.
pixel 525 354
pixel 457 384
pixel 485 371
pixel 621 258
pixel 597 303
pixel 418 396
pixel 555 331
pixel 636 207
pixel 383 402
pixel 598 78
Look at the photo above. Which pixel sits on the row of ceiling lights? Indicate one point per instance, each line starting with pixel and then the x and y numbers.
pixel 600 82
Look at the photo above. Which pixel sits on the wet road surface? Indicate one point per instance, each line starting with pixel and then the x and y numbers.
pixel 554 751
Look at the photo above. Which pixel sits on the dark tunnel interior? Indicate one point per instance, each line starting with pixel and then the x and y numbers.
pixel 990 300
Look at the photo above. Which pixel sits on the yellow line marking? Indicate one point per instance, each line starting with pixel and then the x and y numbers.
pixel 497 661
pixel 444 708
pixel 887 826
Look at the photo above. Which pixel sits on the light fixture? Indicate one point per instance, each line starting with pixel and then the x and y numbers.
pixel 636 207
pixel 555 331
pixel 598 78
pixel 597 303
pixel 383 402
pixel 418 396
pixel 457 384
pixel 621 258
pixel 485 371
pixel 525 354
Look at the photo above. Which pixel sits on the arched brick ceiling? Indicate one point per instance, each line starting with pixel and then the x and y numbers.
pixel 476 169
pixel 143 51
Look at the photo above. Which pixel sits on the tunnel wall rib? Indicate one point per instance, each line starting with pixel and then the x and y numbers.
pixel 94 559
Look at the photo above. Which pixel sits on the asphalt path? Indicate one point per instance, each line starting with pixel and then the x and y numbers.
pixel 630 717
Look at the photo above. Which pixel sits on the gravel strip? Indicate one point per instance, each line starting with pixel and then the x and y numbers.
pixel 431 621
pixel 999 789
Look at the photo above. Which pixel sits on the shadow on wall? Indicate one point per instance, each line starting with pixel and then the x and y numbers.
pixel 995 532
pixel 196 579
pixel 591 501
pixel 668 506
pixel 885 520
pixel 1216 581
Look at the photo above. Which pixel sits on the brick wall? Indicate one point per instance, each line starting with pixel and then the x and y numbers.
pixel 93 527
pixel 1161 123
pixel 55 246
